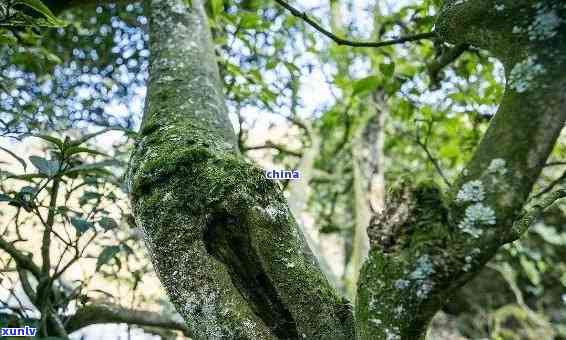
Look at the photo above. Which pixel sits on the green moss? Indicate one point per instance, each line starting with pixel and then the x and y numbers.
pixel 192 178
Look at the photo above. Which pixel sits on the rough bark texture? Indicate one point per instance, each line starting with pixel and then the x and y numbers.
pixel 426 244
pixel 369 181
pixel 220 234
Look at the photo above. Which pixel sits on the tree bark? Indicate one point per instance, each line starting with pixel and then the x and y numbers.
pixel 426 243
pixel 220 234
pixel 224 242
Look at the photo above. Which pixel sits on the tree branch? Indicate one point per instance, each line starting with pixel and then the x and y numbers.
pixel 21 259
pixel 341 41
pixel 448 56
pixel 534 213
pixel 551 185
pixel 271 145
pixel 426 244
pixel 106 313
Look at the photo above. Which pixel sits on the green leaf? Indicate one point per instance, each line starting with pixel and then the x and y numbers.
pixel 387 69
pixel 77 149
pixel 50 18
pixel 47 167
pixel 19 159
pixel 5 198
pixel 28 177
pixel 249 20
pixel 106 255
pixel 7 39
pixel 53 58
pixel 216 7
pixel 364 85
pixel 59 143
pixel 87 196
pixel 531 270
pixel 85 168
pixel 81 225
pixel 108 223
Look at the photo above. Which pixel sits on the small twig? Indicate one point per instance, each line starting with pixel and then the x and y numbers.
pixel 271 145
pixel 429 155
pixel 529 217
pixel 551 186
pixel 448 56
pixel 341 41
pixel 554 164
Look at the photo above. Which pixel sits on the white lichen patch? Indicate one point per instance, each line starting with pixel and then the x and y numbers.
pixel 401 284
pixel 424 289
pixel 424 268
pixel 524 74
pixel 477 215
pixel 497 166
pixel 468 259
pixel 545 24
pixel 471 192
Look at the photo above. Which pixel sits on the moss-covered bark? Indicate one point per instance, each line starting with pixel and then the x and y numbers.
pixel 220 234
pixel 228 250
pixel 426 244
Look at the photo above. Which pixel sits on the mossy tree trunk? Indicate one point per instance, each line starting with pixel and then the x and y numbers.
pixel 427 243
pixel 220 234
pixel 225 244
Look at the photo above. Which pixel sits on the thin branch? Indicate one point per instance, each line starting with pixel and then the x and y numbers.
pixel 106 313
pixel 341 41
pixel 529 217
pixel 551 186
pixel 26 285
pixel 271 145
pixel 46 241
pixel 434 162
pixel 21 259
pixel 431 158
pixel 554 164
pixel 448 56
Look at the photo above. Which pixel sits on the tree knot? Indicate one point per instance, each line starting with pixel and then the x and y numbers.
pixel 409 210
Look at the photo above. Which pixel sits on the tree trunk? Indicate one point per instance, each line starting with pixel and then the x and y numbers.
pixel 220 234
pixel 369 181
pixel 225 244
pixel 426 244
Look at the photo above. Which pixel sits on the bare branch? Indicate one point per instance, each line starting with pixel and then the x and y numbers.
pixel 551 185
pixel 106 313
pixel 21 259
pixel 530 216
pixel 549 164
pixel 431 158
pixel 271 145
pixel 341 41
pixel 448 56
